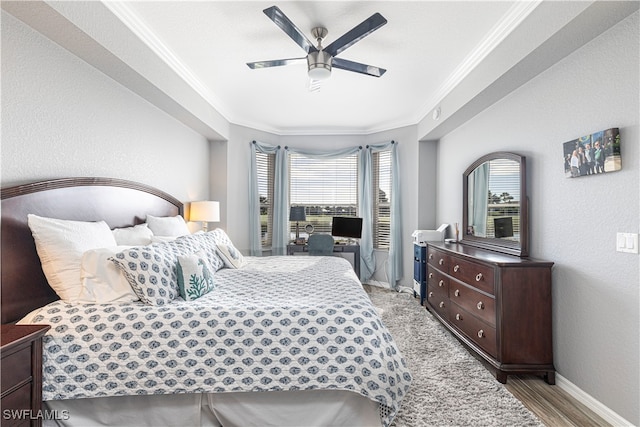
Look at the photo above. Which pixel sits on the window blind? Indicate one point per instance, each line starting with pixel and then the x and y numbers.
pixel 265 165
pixel 325 187
pixel 381 162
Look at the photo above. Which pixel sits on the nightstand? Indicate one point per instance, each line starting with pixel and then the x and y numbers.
pixel 21 352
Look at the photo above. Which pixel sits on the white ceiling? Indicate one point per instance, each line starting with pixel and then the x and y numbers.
pixel 426 47
pixel 189 57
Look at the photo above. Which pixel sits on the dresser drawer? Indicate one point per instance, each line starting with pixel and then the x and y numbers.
pixel 437 279
pixel 477 303
pixel 477 275
pixel 435 290
pixel 478 331
pixel 18 399
pixel 438 259
pixel 16 368
pixel 438 301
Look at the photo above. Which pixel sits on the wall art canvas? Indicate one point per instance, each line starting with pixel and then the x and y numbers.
pixel 593 154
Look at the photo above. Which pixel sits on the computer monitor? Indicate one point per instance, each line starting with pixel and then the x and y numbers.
pixel 346 226
pixel 503 227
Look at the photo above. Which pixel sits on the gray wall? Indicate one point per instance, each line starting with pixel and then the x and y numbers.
pixel 61 118
pixel 574 221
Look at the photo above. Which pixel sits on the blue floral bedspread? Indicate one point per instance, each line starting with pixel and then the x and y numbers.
pixel 279 323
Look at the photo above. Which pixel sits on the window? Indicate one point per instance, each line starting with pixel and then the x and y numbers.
pixel 504 201
pixel 265 164
pixel 325 187
pixel 381 163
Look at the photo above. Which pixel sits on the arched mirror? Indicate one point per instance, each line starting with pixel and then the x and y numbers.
pixel 495 204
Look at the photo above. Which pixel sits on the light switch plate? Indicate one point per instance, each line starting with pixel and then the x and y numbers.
pixel 627 242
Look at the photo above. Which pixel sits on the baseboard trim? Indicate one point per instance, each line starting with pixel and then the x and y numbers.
pixel 589 401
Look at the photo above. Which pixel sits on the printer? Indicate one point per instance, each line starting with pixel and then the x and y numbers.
pixel 423 236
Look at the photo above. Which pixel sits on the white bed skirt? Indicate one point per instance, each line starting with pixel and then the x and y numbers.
pixel 277 408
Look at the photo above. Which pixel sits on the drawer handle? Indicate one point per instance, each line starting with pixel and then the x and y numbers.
pixel 480 305
pixel 430 275
pixel 457 292
pixel 456 268
pixel 441 283
pixel 441 261
pixel 430 294
pixel 441 304
pixel 480 333
pixel 430 256
pixel 458 317
pixel 479 277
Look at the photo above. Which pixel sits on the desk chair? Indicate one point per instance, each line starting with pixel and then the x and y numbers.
pixel 320 245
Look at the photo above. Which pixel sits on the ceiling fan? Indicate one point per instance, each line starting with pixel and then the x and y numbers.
pixel 320 60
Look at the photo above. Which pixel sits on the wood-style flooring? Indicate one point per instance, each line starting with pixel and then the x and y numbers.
pixel 551 404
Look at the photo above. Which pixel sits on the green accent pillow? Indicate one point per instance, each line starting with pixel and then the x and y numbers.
pixel 195 276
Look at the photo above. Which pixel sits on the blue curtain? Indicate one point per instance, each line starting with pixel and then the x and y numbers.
pixel 480 204
pixel 255 232
pixel 365 204
pixel 394 262
pixel 280 234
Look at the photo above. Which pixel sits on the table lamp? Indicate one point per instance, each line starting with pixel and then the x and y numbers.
pixel 206 212
pixel 296 213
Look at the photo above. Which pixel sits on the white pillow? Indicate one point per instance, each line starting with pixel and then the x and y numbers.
pixel 132 236
pixel 231 257
pixel 173 226
pixel 60 245
pixel 102 281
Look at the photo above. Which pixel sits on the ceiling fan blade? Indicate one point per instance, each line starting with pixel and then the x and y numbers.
pixel 357 67
pixel 281 20
pixel 356 34
pixel 274 63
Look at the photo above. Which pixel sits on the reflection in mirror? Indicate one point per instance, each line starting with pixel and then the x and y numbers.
pixel 494 215
pixel 498 214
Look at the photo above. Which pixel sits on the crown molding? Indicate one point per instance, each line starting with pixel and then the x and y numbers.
pixel 510 21
pixel 516 14
pixel 125 14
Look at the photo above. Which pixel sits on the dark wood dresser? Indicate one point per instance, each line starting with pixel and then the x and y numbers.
pixel 498 305
pixel 21 353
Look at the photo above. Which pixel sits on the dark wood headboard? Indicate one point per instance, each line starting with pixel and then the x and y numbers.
pixel 118 202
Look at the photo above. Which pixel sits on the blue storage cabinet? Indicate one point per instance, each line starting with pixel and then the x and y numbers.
pixel 420 271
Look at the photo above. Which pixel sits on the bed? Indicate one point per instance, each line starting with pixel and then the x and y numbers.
pixel 279 341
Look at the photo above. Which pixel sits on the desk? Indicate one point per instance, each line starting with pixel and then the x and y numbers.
pixel 354 249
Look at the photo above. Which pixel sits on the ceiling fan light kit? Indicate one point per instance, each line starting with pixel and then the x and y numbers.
pixel 319 65
pixel 320 61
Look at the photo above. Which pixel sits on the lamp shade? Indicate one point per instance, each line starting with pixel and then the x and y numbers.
pixel 296 213
pixel 205 211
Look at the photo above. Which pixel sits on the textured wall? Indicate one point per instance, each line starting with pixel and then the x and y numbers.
pixel 61 117
pixel 574 221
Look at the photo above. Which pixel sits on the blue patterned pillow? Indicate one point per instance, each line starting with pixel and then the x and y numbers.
pixel 195 276
pixel 220 237
pixel 152 270
pixel 207 244
pixel 231 257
